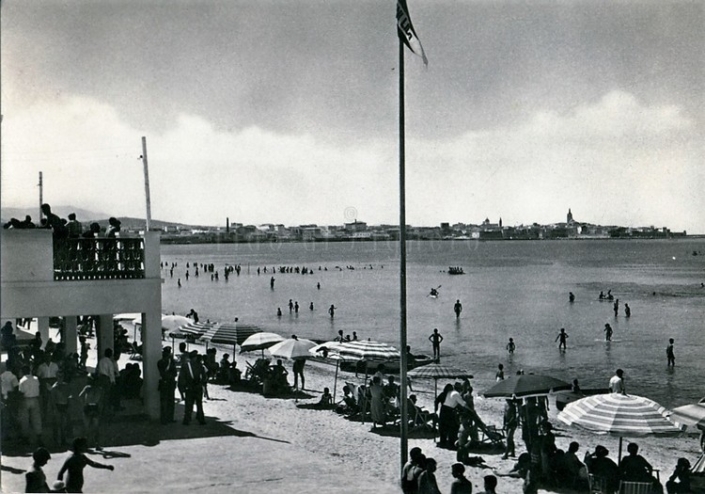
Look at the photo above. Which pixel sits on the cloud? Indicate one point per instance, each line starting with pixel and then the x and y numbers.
pixel 615 161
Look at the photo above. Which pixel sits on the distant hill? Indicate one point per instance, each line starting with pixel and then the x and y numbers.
pixel 85 216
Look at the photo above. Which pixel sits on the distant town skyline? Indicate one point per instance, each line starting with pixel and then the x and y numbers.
pixel 268 110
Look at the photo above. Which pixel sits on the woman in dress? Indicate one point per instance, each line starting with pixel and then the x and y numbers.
pixel 377 407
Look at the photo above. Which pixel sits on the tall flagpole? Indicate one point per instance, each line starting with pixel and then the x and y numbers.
pixel 402 269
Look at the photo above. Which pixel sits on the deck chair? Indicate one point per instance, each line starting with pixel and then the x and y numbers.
pixel 598 485
pixel 491 434
pixel 635 487
pixel 421 419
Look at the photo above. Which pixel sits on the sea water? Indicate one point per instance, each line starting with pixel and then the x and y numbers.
pixel 515 289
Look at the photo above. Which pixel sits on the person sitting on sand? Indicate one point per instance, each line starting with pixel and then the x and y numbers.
pixel 347 405
pixel 682 475
pixel 279 375
pixel 326 400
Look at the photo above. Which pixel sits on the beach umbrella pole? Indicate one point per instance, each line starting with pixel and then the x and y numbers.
pixel 335 383
pixel 619 460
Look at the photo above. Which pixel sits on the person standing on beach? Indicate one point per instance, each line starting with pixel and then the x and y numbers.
pixel 608 332
pixel 427 479
pixel 299 364
pixel 435 340
pixel 35 477
pixel 461 485
pixel 193 377
pixel 670 356
pixel 411 471
pixel 167 386
pixel 458 308
pixel 562 336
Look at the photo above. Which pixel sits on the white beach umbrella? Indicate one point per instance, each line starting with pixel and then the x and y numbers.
pixel 173 322
pixel 691 415
pixel 620 415
pixel 292 348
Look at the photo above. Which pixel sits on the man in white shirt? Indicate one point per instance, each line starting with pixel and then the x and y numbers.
pixel 617 382
pixel 46 373
pixel 29 406
pixel 108 372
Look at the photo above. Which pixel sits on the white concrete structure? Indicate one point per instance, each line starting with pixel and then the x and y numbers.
pixel 29 289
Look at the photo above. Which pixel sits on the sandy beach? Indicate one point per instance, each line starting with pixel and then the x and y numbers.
pixel 263 444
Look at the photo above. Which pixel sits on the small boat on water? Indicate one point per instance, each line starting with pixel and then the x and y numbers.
pixel 455 270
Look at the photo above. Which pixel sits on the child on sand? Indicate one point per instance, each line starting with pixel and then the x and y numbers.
pixel 75 464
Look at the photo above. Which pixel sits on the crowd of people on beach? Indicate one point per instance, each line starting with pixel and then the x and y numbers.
pixel 42 383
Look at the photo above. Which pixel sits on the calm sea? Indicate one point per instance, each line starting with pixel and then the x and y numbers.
pixel 510 289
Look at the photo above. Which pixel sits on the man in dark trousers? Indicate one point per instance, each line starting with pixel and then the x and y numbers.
pixel 167 385
pixel 193 377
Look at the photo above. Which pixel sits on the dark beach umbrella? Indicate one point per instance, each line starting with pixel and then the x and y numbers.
pixel 438 371
pixel 526 385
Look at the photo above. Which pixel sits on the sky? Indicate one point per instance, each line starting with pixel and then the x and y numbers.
pixel 288 111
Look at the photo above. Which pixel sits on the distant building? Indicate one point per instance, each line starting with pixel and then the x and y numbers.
pixel 569 218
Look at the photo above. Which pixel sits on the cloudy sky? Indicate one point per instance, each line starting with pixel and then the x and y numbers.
pixel 287 111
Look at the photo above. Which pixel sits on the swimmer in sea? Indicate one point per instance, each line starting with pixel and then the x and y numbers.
pixel 511 346
pixel 571 297
pixel 562 336
pixel 608 332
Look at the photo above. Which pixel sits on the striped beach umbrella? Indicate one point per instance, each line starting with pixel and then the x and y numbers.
pixel 620 415
pixel 196 329
pixel 229 333
pixel 368 350
pixel 173 322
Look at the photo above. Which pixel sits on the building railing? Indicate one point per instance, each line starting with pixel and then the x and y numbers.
pixel 77 259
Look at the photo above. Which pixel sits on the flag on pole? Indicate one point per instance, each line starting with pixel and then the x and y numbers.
pixel 406 31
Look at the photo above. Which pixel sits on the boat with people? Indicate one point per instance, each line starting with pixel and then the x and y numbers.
pixel 455 270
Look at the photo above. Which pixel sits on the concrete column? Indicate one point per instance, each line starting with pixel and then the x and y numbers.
pixel 151 353
pixel 70 334
pixel 43 326
pixel 104 334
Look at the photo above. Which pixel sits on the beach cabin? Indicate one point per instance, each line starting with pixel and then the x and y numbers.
pixel 40 278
